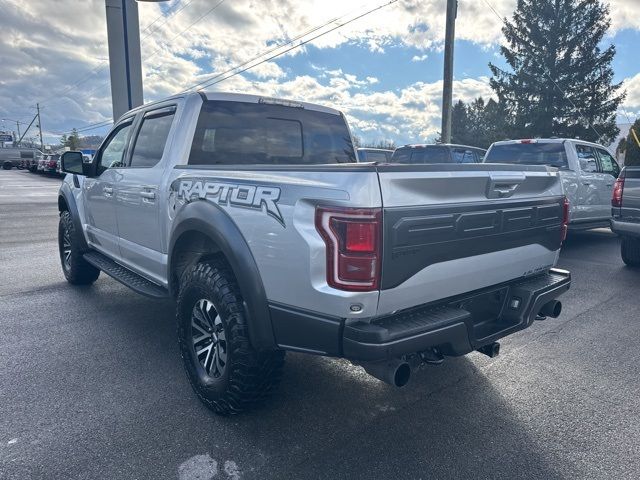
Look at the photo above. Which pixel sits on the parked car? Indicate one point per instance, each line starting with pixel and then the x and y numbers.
pixel 625 209
pixel 588 172
pixel 232 188
pixel 380 155
pixel 437 153
pixel 18 157
pixel 42 163
pixel 51 163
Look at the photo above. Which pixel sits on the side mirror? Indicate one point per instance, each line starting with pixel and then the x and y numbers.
pixel 73 162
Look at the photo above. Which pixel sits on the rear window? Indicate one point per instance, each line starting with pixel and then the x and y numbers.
pixel 373 156
pixel 551 154
pixel 422 155
pixel 237 133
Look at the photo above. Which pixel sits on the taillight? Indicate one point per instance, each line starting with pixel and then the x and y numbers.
pixel 618 190
pixel 565 219
pixel 353 237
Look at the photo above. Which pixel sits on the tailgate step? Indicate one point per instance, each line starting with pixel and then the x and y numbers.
pixel 407 324
pixel 125 276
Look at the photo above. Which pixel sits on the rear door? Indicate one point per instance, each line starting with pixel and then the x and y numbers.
pixel 99 191
pixel 608 172
pixel 590 186
pixel 451 229
pixel 138 195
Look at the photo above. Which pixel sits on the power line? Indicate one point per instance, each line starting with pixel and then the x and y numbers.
pixel 220 2
pixel 273 49
pixel 544 70
pixel 209 83
pixel 102 65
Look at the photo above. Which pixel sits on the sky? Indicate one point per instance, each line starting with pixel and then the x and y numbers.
pixel 383 70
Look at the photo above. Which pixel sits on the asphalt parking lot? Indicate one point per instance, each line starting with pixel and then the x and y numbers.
pixel 91 385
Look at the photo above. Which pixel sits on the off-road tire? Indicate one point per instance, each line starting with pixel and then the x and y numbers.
pixel 76 270
pixel 249 376
pixel 630 251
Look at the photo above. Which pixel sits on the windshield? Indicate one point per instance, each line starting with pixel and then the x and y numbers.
pixel 255 133
pixel 551 154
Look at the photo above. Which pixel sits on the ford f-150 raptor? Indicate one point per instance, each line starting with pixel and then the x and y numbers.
pixel 253 214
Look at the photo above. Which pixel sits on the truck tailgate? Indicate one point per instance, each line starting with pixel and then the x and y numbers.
pixel 450 229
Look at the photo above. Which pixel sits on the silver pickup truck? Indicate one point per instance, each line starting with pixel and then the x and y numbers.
pixel 253 215
pixel 587 170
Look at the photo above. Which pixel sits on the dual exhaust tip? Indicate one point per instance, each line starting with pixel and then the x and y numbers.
pixel 397 372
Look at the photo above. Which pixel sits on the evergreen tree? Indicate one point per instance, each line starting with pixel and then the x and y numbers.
pixel 560 81
pixel 73 140
pixel 478 124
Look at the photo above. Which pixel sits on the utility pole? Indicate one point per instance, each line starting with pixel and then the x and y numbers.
pixel 447 85
pixel 18 127
pixel 40 127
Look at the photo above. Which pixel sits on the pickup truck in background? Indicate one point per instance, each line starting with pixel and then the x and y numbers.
pixel 253 215
pixel 438 153
pixel 625 210
pixel 588 171
pixel 379 155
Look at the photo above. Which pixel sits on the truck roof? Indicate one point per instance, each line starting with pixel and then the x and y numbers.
pixel 430 145
pixel 246 98
pixel 545 140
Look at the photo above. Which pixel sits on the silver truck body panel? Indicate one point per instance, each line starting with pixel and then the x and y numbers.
pixel 132 228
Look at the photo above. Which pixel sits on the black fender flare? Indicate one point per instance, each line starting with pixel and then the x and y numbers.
pixel 213 222
pixel 67 195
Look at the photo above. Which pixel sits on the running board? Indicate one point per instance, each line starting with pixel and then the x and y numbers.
pixel 130 279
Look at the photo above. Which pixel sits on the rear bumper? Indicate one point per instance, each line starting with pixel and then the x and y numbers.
pixel 457 325
pixel 628 229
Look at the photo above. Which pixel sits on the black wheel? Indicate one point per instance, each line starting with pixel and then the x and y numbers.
pixel 7 165
pixel 630 251
pixel 75 268
pixel 226 372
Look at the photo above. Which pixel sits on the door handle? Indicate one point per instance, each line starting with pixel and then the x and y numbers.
pixel 148 195
pixel 586 183
pixel 108 191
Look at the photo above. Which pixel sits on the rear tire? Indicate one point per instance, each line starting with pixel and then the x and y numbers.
pixel 226 372
pixel 630 251
pixel 76 269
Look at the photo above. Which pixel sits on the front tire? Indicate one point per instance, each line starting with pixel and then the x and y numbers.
pixel 630 251
pixel 76 269
pixel 226 372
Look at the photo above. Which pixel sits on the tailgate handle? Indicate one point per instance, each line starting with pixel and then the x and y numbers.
pixel 504 186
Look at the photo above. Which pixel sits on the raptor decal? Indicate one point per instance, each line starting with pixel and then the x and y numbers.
pixel 258 197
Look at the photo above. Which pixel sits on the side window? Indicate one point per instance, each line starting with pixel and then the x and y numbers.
pixel 587 158
pixel 112 154
pixel 458 155
pixel 152 138
pixel 608 163
pixel 479 155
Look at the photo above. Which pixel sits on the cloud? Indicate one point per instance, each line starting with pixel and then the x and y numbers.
pixel 419 58
pixel 47 59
